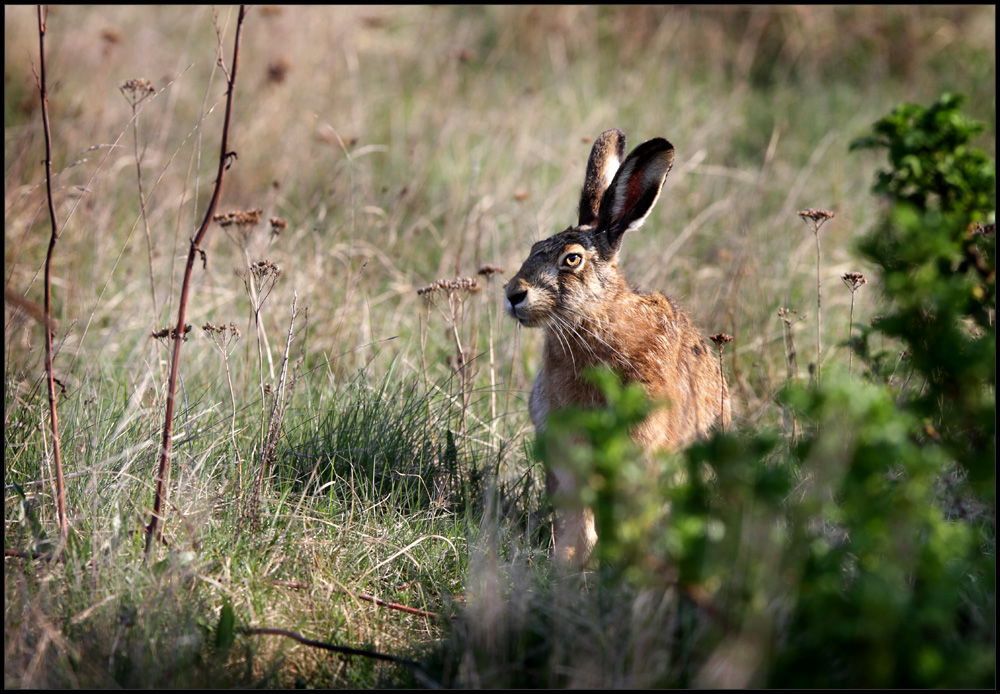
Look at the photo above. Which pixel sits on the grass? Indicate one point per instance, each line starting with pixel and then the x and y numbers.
pixel 401 146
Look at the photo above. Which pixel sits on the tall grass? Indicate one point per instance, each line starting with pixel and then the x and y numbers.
pixel 401 146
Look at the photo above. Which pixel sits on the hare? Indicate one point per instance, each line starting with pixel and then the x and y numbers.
pixel 571 287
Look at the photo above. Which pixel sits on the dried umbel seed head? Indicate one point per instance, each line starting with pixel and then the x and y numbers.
pixel 137 88
pixel 721 340
pixel 277 225
pixel 238 217
pixel 263 269
pixel 853 280
pixel 172 332
pixel 489 270
pixel 785 314
pixel 455 286
pixel 221 329
pixel 815 218
pixel 816 215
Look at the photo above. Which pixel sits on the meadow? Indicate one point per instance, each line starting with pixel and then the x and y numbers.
pixel 351 434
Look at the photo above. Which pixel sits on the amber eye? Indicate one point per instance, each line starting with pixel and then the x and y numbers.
pixel 572 260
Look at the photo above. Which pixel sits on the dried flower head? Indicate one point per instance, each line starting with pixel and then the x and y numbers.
pixel 721 340
pixel 172 332
pixel 853 280
pixel 222 335
pixel 265 269
pixel 238 217
pixel 816 217
pixel 786 314
pixel 460 284
pixel 239 225
pixel 277 225
pixel 136 90
pixel 489 270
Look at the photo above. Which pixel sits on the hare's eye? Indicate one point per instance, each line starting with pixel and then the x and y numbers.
pixel 572 260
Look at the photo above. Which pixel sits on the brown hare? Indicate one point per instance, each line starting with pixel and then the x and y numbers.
pixel 571 287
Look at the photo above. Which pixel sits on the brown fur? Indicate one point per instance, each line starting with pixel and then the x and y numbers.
pixel 571 286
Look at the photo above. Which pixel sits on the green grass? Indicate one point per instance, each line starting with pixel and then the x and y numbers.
pixel 401 145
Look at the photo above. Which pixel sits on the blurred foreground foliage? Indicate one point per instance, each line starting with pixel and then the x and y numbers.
pixel 861 552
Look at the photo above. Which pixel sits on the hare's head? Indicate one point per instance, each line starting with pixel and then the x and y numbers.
pixel 568 274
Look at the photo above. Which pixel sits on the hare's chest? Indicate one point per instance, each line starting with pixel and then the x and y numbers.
pixel 556 388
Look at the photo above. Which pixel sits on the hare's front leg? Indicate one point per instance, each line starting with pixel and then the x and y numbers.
pixel 575 537
pixel 575 534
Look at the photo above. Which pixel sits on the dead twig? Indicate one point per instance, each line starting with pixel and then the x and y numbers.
pixel 50 377
pixel 815 219
pixel 369 598
pixel 278 407
pixel 346 650
pixel 225 160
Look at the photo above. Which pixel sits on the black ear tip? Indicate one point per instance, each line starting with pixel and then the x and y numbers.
pixel 660 144
pixel 656 148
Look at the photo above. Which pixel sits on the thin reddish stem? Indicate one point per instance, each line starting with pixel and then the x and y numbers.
pixel 152 531
pixel 49 374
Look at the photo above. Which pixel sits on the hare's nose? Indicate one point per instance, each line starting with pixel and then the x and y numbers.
pixel 516 297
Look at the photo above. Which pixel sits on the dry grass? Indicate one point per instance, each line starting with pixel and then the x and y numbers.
pixel 396 146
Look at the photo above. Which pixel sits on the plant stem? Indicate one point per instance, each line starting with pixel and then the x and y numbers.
pixel 819 311
pixel 49 375
pixel 142 209
pixel 152 530
pixel 850 336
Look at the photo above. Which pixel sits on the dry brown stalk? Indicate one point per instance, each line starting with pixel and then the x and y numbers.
pixel 488 271
pixel 456 290
pixel 815 219
pixel 50 376
pixel 368 598
pixel 721 340
pixel 278 407
pixel 135 92
pixel 225 156
pixel 853 280
pixel 791 360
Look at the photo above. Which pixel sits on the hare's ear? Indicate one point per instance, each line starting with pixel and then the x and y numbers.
pixel 634 190
pixel 605 158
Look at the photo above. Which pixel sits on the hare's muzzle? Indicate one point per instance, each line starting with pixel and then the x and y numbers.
pixel 516 301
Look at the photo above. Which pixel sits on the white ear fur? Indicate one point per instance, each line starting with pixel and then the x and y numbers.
pixel 648 179
pixel 605 159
